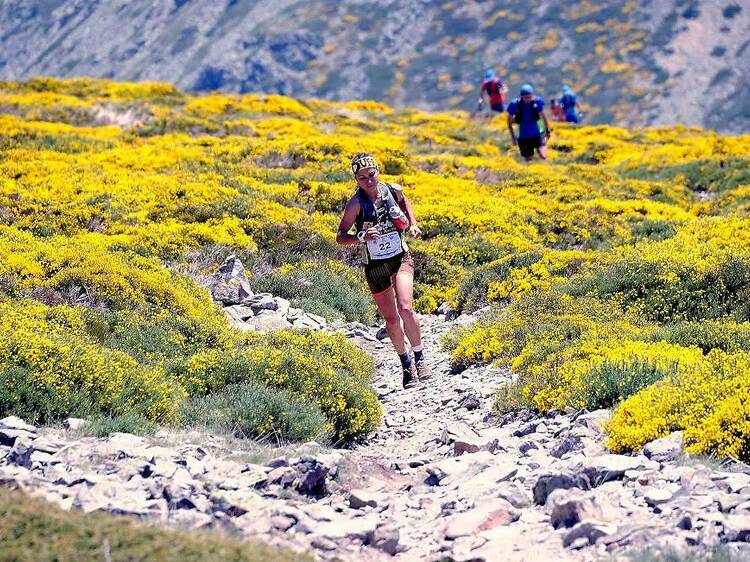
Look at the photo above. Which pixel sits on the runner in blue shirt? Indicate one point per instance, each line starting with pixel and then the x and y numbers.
pixel 526 111
pixel 568 102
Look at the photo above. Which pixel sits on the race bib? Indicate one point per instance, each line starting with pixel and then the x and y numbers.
pixel 386 246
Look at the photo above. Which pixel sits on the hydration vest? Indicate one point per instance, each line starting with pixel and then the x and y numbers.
pixel 368 213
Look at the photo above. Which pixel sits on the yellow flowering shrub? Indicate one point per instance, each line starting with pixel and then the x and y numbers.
pixel 707 399
pixel 52 367
pixel 322 369
pixel 620 265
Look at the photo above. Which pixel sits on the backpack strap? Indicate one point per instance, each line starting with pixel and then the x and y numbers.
pixel 366 208
pixel 391 195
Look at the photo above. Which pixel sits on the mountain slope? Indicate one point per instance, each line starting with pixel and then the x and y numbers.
pixel 632 61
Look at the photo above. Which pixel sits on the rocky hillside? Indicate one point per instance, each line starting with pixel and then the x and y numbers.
pixel 632 61
pixel 443 478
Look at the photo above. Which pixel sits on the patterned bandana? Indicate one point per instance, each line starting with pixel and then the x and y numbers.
pixel 363 161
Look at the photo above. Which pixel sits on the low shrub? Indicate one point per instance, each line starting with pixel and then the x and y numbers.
pixel 708 399
pixel 652 229
pixel 608 383
pixel 723 334
pixel 162 338
pixel 51 368
pixel 32 530
pixel 670 288
pixel 123 423
pixel 323 369
pixel 472 291
pixel 716 174
pixel 251 410
pixel 567 351
pixel 328 289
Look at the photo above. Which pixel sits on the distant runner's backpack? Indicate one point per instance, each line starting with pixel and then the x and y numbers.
pixel 568 102
pixel 534 110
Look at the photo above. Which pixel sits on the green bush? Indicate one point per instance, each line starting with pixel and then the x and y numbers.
pixel 32 530
pixel 124 423
pixel 162 338
pixel 652 229
pixel 52 367
pixel 669 291
pixel 320 289
pixel 607 384
pixel 725 335
pixel 715 174
pixel 251 410
pixel 324 370
pixel 21 395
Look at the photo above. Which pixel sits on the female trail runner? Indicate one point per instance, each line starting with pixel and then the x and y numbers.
pixel 382 214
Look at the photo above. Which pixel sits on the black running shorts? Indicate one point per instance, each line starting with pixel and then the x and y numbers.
pixel 528 146
pixel 379 272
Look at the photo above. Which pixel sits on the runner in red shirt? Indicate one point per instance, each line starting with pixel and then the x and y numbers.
pixel 495 90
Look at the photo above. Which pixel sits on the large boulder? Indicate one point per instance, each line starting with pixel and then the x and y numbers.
pixel 20 453
pixel 238 314
pixel 736 528
pixel 14 422
pixel 266 322
pixel 360 528
pixel 311 477
pixel 491 513
pixel 587 533
pixel 262 301
pixel 665 449
pixel 569 507
pixel 386 538
pixel 606 468
pixel 567 444
pixel 596 420
pixel 548 483
pixel 463 438
pixel 309 321
pixel 13 428
pixel 230 285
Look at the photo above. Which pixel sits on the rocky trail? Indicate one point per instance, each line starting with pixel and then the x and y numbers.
pixel 443 478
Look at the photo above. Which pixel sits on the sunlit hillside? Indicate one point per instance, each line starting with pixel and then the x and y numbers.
pixel 616 274
pixel 632 62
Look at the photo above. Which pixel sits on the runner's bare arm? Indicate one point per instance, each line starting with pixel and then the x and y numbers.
pixel 547 130
pixel 414 230
pixel 406 207
pixel 510 129
pixel 350 215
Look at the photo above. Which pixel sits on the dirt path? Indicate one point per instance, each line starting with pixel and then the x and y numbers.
pixel 411 463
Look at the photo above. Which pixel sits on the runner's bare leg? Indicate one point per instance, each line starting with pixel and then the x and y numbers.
pixel 386 302
pixel 403 281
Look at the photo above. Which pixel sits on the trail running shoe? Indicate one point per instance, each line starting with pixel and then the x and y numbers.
pixel 410 376
pixel 423 371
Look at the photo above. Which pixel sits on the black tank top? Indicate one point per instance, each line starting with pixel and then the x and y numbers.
pixel 370 215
